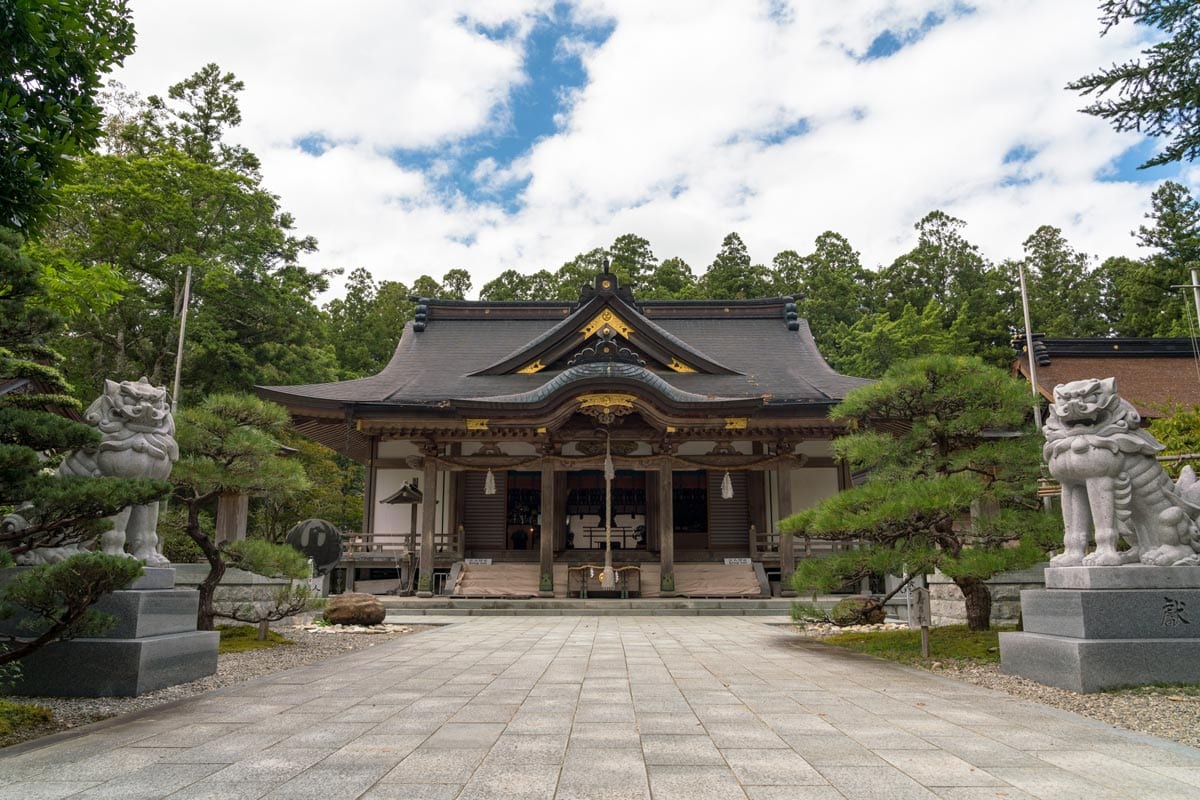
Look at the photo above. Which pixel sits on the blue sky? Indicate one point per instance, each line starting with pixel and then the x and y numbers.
pixel 414 138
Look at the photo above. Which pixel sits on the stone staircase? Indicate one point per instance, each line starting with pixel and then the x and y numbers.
pixel 564 607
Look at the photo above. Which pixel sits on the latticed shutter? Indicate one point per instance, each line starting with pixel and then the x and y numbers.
pixel 728 520
pixel 483 517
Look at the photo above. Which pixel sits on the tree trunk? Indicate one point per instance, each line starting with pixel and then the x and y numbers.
pixel 216 563
pixel 978 601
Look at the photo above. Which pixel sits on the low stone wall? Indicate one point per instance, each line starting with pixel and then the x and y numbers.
pixel 946 601
pixel 237 586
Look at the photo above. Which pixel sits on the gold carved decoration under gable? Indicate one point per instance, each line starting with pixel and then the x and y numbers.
pixel 679 366
pixel 529 369
pixel 606 407
pixel 606 319
pixel 477 424
pixel 736 423
pixel 618 448
pixel 606 400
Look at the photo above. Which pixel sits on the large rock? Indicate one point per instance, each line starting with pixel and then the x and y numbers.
pixel 354 608
pixel 857 610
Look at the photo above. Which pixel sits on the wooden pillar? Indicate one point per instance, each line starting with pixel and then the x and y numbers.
pixel 549 529
pixel 787 551
pixel 756 506
pixel 428 521
pixel 368 520
pixel 666 529
pixel 233 512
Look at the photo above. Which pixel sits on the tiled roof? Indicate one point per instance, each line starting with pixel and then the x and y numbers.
pixel 440 363
pixel 1151 373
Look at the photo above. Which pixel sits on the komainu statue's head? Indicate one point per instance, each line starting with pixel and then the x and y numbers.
pixel 1089 402
pixel 132 412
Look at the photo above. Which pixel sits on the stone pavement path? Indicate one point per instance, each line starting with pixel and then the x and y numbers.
pixel 608 708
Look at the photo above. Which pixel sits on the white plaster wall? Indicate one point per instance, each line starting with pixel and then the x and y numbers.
pixel 394 518
pixel 700 448
pixel 815 447
pixel 397 518
pixel 811 485
pixel 398 448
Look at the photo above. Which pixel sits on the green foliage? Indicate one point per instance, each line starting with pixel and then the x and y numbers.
pixel 334 493
pixel 948 486
pixel 242 638
pixel 952 642
pixel 177 546
pixel 1155 94
pixel 877 341
pixel 51 65
pixel 732 276
pixel 54 600
pixel 1139 294
pixel 1178 428
pixel 176 196
pixel 365 325
pixel 266 558
pixel 1064 294
pixel 228 445
pixel 18 717
pixel 62 511
pixel 806 612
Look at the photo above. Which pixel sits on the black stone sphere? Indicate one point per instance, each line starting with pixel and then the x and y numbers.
pixel 317 539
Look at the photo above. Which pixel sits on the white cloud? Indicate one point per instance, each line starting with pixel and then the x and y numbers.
pixel 666 137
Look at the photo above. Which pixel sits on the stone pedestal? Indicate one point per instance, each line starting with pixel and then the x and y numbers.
pixel 1094 628
pixel 153 644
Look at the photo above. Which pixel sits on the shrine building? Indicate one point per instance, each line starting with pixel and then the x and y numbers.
pixel 509 443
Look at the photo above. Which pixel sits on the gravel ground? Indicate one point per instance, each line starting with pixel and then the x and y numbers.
pixel 312 644
pixel 1168 713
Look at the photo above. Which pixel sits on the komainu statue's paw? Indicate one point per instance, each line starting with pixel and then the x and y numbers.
pixel 1167 555
pixel 1105 558
pixel 1067 560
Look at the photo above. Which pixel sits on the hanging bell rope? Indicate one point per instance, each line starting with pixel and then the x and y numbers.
pixel 727 487
pixel 608 579
pixel 489 483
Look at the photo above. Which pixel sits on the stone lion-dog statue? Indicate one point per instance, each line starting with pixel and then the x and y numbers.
pixel 1112 483
pixel 137 440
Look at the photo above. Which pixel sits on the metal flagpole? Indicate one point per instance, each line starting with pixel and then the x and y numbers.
pixel 187 291
pixel 1033 382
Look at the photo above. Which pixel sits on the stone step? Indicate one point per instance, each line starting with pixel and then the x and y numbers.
pixel 406 613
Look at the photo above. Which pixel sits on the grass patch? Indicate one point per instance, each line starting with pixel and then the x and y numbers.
pixel 240 638
pixel 19 721
pixel 949 642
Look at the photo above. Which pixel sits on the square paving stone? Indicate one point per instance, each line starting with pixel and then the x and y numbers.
pixel 322 782
pixel 694 783
pixel 678 723
pixel 743 734
pixel 604 712
pixel 42 790
pixel 512 782
pixel 533 722
pixel 276 765
pixel 771 768
pixel 1055 783
pixel 667 749
pixel 480 712
pixel 442 765
pixel 528 748
pixel 413 791
pixel 214 790
pixel 937 768
pixel 872 783
pixel 604 734
pixel 800 793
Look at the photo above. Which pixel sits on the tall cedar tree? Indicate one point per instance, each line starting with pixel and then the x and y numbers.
pixel 934 435
pixel 1156 94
